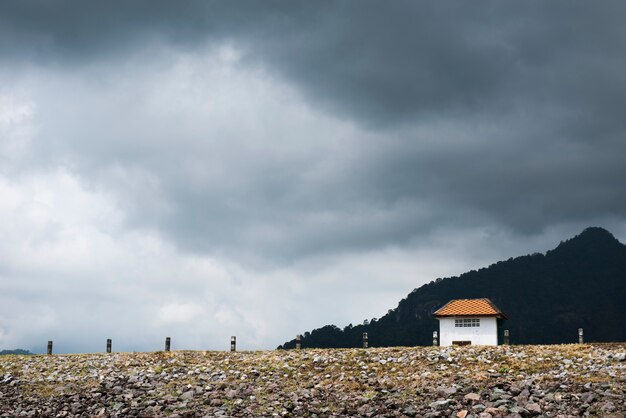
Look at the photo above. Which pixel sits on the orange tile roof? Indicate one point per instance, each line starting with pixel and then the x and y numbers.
pixel 470 307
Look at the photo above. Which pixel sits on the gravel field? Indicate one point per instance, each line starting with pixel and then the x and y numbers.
pixel 464 382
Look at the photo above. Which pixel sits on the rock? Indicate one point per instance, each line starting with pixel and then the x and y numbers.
pixel 76 407
pixel 479 407
pixel 347 382
pixel 607 406
pixel 409 411
pixel 587 397
pixel 525 393
pixel 473 397
pixel 533 408
pixel 494 412
pixel 518 410
pixel 187 395
pixel 449 391
pixel 494 397
pixel 500 402
pixel 362 410
pixel 514 390
pixel 440 404
pixel 169 399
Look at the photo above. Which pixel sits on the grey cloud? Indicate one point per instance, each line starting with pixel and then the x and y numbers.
pixel 382 63
pixel 503 114
pixel 220 168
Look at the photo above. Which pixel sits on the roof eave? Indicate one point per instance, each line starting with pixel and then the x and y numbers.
pixel 498 315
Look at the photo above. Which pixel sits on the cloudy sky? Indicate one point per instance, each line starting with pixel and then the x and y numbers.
pixel 259 169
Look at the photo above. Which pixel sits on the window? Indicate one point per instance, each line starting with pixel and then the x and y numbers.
pixel 467 322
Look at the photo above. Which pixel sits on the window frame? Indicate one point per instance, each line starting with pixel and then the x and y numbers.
pixel 466 322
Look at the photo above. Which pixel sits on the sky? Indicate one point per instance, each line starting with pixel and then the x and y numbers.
pixel 206 169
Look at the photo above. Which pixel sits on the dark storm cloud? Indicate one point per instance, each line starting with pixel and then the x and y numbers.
pixel 381 62
pixel 492 113
pixel 205 169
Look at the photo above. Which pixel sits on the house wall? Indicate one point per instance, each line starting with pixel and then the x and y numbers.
pixel 485 334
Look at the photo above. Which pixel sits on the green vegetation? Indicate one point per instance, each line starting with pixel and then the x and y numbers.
pixel 17 351
pixel 547 297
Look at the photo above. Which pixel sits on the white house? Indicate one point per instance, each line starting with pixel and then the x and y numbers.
pixel 470 321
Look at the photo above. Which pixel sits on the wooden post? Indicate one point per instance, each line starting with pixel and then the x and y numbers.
pixel 506 337
pixel 49 347
pixel 108 345
pixel 298 342
pixel 233 343
pixel 167 343
pixel 580 336
pixel 435 339
pixel 365 340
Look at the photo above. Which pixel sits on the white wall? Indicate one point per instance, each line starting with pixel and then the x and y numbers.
pixel 485 334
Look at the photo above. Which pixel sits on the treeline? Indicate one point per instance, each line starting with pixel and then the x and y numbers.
pixel 18 351
pixel 547 297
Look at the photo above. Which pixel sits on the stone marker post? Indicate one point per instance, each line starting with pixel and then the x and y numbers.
pixel 506 337
pixel 108 345
pixel 435 339
pixel 233 343
pixel 580 336
pixel 49 347
pixel 365 340
pixel 167 343
pixel 298 342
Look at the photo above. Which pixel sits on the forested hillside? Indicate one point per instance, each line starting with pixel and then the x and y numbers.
pixel 547 297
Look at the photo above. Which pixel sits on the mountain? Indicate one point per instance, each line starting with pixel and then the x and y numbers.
pixel 547 297
pixel 16 351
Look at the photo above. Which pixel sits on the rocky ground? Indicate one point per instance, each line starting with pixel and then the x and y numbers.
pixel 484 382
